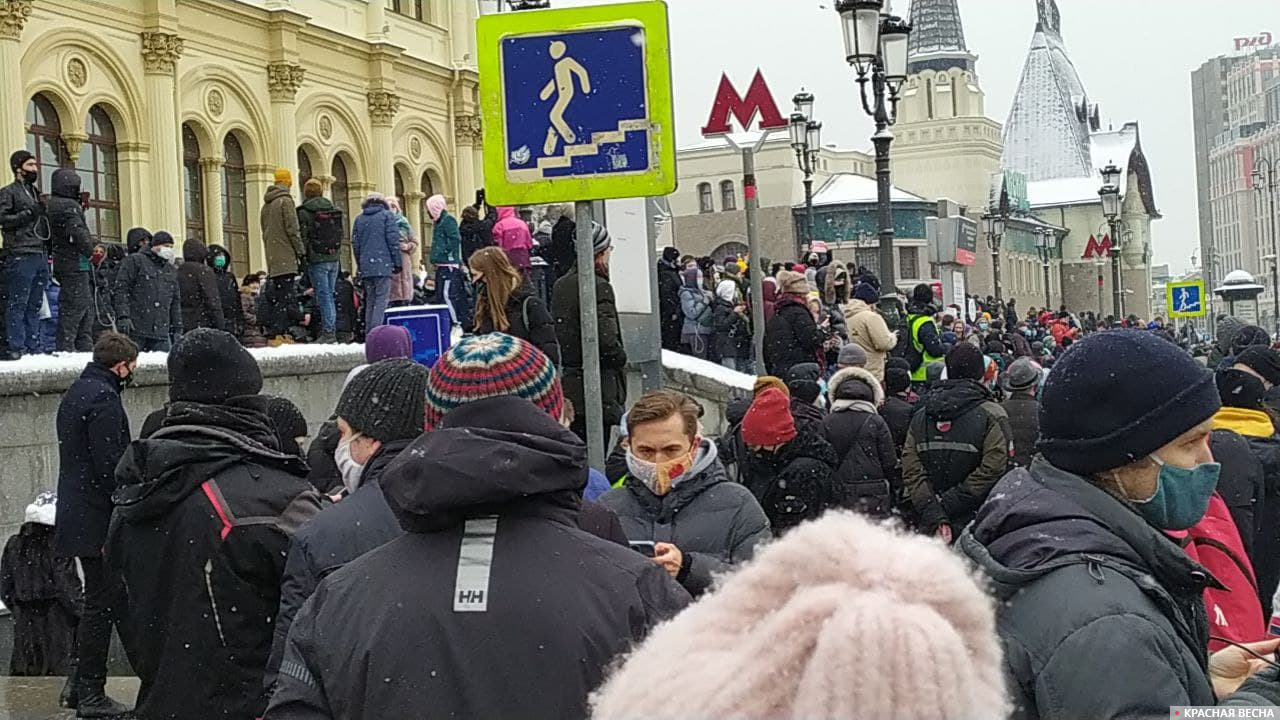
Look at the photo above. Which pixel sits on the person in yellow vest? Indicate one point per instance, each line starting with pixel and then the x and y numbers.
pixel 926 343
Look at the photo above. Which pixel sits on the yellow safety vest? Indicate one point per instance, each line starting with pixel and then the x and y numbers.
pixel 921 373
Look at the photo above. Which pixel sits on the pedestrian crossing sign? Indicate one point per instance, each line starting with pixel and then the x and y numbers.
pixel 1185 299
pixel 576 103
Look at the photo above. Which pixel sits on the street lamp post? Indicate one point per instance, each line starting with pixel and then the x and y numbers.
pixel 1046 243
pixel 876 46
pixel 994 224
pixel 1110 194
pixel 1266 178
pixel 806 140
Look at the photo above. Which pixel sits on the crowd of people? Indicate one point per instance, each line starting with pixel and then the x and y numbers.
pixel 942 513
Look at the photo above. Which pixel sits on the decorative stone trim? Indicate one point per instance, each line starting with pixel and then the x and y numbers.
pixel 383 106
pixel 160 51
pixel 208 164
pixel 284 79
pixel 73 141
pixel 467 129
pixel 13 17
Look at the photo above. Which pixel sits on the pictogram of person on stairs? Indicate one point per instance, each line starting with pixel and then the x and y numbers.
pixel 563 87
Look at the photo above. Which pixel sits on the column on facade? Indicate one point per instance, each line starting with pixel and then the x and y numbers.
pixel 283 81
pixel 257 179
pixel 211 177
pixel 160 53
pixel 13 106
pixel 383 106
pixel 413 210
pixel 375 18
pixel 133 162
pixel 466 135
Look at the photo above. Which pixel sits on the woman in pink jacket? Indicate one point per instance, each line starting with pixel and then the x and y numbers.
pixel 512 235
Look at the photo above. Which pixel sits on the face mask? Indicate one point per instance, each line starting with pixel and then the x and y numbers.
pixel 658 477
pixel 983 327
pixel 1181 497
pixel 165 252
pixel 30 177
pixel 347 465
pixel 220 262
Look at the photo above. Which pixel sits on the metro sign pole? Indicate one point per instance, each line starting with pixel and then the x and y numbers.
pixel 758 101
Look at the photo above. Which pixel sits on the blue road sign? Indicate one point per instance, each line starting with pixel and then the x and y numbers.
pixel 1185 299
pixel 583 95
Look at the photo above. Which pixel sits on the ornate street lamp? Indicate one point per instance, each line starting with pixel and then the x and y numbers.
pixel 994 225
pixel 1110 194
pixel 1266 178
pixel 806 140
pixel 1046 243
pixel 876 46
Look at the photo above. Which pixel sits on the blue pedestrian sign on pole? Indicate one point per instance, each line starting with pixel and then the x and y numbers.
pixel 1185 299
pixel 576 104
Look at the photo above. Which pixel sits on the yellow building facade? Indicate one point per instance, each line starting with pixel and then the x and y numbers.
pixel 176 113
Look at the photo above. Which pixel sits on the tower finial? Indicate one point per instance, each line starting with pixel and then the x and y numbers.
pixel 1048 19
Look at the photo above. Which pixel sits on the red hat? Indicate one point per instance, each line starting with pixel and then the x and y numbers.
pixel 768 421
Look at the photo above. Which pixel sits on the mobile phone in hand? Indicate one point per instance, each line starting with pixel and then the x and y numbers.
pixel 648 548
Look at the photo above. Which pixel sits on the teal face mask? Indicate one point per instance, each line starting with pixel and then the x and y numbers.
pixel 220 261
pixel 1182 495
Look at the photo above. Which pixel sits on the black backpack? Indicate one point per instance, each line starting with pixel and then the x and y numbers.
pixel 853 489
pixel 326 232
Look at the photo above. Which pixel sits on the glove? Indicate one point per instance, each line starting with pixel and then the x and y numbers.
pixel 398 270
pixel 124 326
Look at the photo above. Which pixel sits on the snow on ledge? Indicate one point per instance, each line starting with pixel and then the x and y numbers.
pixel 695 368
pixel 55 373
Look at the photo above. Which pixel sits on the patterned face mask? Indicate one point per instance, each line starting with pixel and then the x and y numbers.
pixel 659 477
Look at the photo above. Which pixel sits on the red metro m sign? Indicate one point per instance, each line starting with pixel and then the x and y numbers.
pixel 1096 248
pixel 743 108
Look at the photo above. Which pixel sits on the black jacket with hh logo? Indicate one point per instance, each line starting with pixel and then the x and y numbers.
pixel 493 604
pixel 203 516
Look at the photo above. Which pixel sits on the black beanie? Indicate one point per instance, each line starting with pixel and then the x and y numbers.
pixel 1248 336
pixel 896 380
pixel 1118 396
pixel 1239 389
pixel 922 294
pixel 965 362
pixel 208 366
pixel 18 158
pixel 670 254
pixel 161 238
pixel 1262 360
pixel 387 400
pixel 802 381
pixel 289 423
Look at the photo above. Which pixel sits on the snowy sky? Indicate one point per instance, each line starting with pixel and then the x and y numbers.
pixel 797 42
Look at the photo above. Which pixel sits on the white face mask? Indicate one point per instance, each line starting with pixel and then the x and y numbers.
pixel 347 465
pixel 165 252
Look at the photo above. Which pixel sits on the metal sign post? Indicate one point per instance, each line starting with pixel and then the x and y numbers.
pixel 577 106
pixel 751 201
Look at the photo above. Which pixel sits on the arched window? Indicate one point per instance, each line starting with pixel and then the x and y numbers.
pixel 728 198
pixel 424 233
pixel 44 139
pixel 192 184
pixel 235 204
pixel 706 203
pixel 100 176
pixel 339 191
pixel 304 167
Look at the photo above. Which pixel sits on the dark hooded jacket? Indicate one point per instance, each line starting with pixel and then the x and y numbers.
pixel 496 591
pixel 791 337
pixel 1250 485
pixel 958 446
pixel 1101 615
pixel 672 318
pixel 562 253
pixel 715 523
pixel 68 234
pixel 565 307
pixel 477 234
pixel 147 295
pixel 224 280
pixel 204 513
pixel 866 478
pixel 198 287
pixel 22 218
pixel 529 320
pixel 793 484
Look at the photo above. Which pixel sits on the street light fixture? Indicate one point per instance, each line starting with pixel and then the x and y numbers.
pixel 1266 179
pixel 876 46
pixel 1046 243
pixel 1110 195
pixel 994 224
pixel 806 140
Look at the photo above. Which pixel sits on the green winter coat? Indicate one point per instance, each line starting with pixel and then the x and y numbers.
pixel 446 241
pixel 307 224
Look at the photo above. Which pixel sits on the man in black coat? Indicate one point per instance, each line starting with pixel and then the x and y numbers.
pixel 867 478
pixel 1022 380
pixel 669 298
pixel 489 498
pixel 93 432
pixel 26 271
pixel 72 248
pixel 791 336
pixel 224 279
pixel 198 293
pixel 899 401
pixel 148 303
pixel 562 253
pixel 204 513
pixel 372 435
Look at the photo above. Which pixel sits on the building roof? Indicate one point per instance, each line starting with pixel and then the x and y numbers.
pixel 1047 133
pixel 937 37
pixel 1123 148
pixel 851 189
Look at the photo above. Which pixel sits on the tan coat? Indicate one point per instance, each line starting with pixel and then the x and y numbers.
pixel 402 284
pixel 869 330
pixel 281 237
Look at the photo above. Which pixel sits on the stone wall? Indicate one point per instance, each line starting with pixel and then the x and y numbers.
pixel 30 391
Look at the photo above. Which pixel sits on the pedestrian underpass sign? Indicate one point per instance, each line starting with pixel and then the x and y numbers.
pixel 1185 299
pixel 577 104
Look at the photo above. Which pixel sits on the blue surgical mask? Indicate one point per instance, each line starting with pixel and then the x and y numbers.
pixel 1182 495
pixel 983 326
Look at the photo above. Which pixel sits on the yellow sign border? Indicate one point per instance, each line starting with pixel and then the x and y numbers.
pixel 660 179
pixel 1168 299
